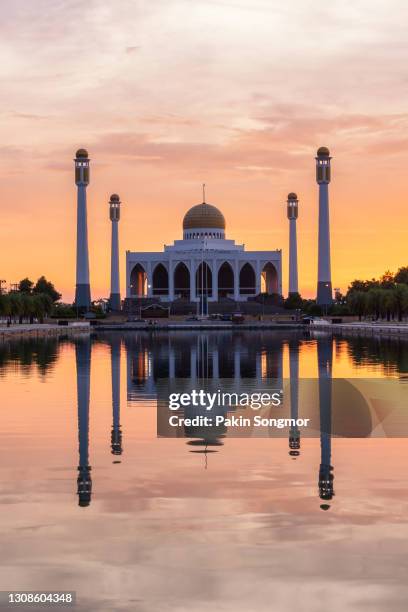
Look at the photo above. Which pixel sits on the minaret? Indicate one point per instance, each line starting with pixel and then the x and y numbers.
pixel 293 205
pixel 294 433
pixel 83 369
pixel 325 359
pixel 114 213
pixel 324 284
pixel 82 291
pixel 116 434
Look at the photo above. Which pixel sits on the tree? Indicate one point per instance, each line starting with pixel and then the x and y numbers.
pixel 374 302
pixel 293 301
pixel 388 303
pixel 63 310
pixel 42 306
pixel 401 276
pixel 47 288
pixel 25 286
pixel 387 280
pixel 16 305
pixel 5 306
pixel 363 285
pixel 400 292
pixel 26 309
pixel 357 301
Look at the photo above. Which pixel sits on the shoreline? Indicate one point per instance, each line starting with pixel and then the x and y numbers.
pixel 41 330
pixel 214 326
pixel 50 329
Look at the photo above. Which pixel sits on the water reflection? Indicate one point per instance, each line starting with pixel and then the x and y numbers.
pixel 27 353
pixel 116 434
pixel 258 356
pixel 325 365
pixel 390 354
pixel 83 374
pixel 221 355
pixel 294 433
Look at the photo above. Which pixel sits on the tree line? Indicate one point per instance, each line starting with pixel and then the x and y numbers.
pixel 29 301
pixel 383 298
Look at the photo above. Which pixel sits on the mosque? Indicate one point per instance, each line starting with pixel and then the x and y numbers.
pixel 204 264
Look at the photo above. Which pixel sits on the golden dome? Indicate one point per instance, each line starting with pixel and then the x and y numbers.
pixel 81 153
pixel 202 216
pixel 323 152
pixel 292 196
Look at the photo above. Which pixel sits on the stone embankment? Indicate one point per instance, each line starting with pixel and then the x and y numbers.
pixel 38 330
pixel 371 329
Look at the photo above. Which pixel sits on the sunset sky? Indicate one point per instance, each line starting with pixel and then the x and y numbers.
pixel 167 94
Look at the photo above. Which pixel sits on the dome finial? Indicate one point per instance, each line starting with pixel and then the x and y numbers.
pixel 203 193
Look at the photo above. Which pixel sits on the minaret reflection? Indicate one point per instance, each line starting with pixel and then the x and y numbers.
pixel 294 433
pixel 325 360
pixel 83 369
pixel 116 434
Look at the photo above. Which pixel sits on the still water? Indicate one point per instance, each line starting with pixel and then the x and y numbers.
pixel 92 501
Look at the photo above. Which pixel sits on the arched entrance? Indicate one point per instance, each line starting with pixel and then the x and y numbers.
pixel 204 280
pixel 138 281
pixel 181 281
pixel 160 280
pixel 269 279
pixel 225 280
pixel 247 280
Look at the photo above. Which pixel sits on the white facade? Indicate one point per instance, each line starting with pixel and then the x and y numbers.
pixel 204 262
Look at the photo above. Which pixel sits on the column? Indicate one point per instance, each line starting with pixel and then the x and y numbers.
pixel 214 280
pixel 193 296
pixel 236 280
pixel 149 279
pixel 115 284
pixel 258 277
pixel 293 265
pixel 171 280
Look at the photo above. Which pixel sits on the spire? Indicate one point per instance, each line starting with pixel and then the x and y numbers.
pixel 204 193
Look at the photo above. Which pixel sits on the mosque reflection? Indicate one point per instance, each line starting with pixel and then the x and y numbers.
pixel 197 357
pixel 231 357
